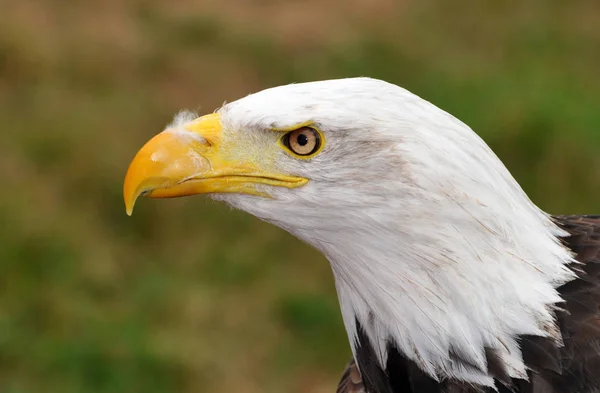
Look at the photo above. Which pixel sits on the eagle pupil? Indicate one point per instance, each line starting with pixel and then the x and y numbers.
pixel 302 140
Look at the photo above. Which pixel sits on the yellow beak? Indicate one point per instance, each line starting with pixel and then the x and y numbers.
pixel 189 160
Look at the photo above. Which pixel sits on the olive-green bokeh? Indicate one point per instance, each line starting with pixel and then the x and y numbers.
pixel 186 295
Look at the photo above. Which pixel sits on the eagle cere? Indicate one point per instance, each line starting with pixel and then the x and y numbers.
pixel 449 278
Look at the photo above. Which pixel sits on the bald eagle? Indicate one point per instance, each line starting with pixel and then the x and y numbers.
pixel 449 278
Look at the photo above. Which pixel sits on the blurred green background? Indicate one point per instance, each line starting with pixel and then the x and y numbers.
pixel 186 295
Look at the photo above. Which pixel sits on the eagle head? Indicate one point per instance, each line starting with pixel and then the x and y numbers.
pixel 435 248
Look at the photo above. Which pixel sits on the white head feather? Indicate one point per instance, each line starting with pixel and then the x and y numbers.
pixel 433 244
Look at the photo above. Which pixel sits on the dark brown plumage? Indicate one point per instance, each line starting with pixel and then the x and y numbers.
pixel 572 368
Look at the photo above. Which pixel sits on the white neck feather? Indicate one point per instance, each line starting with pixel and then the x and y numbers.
pixel 435 296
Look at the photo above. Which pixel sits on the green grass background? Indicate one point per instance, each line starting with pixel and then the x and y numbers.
pixel 186 295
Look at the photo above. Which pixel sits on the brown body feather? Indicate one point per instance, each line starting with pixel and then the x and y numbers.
pixel 572 368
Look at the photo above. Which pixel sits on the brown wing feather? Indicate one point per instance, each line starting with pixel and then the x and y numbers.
pixel 581 326
pixel 574 368
pixel 351 381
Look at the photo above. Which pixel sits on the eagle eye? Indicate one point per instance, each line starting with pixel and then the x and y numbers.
pixel 303 142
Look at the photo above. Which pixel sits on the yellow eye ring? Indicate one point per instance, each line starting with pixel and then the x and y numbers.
pixel 303 142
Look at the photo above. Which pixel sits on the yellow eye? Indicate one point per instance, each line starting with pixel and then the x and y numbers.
pixel 303 141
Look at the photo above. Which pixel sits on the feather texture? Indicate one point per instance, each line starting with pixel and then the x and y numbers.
pixel 573 367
